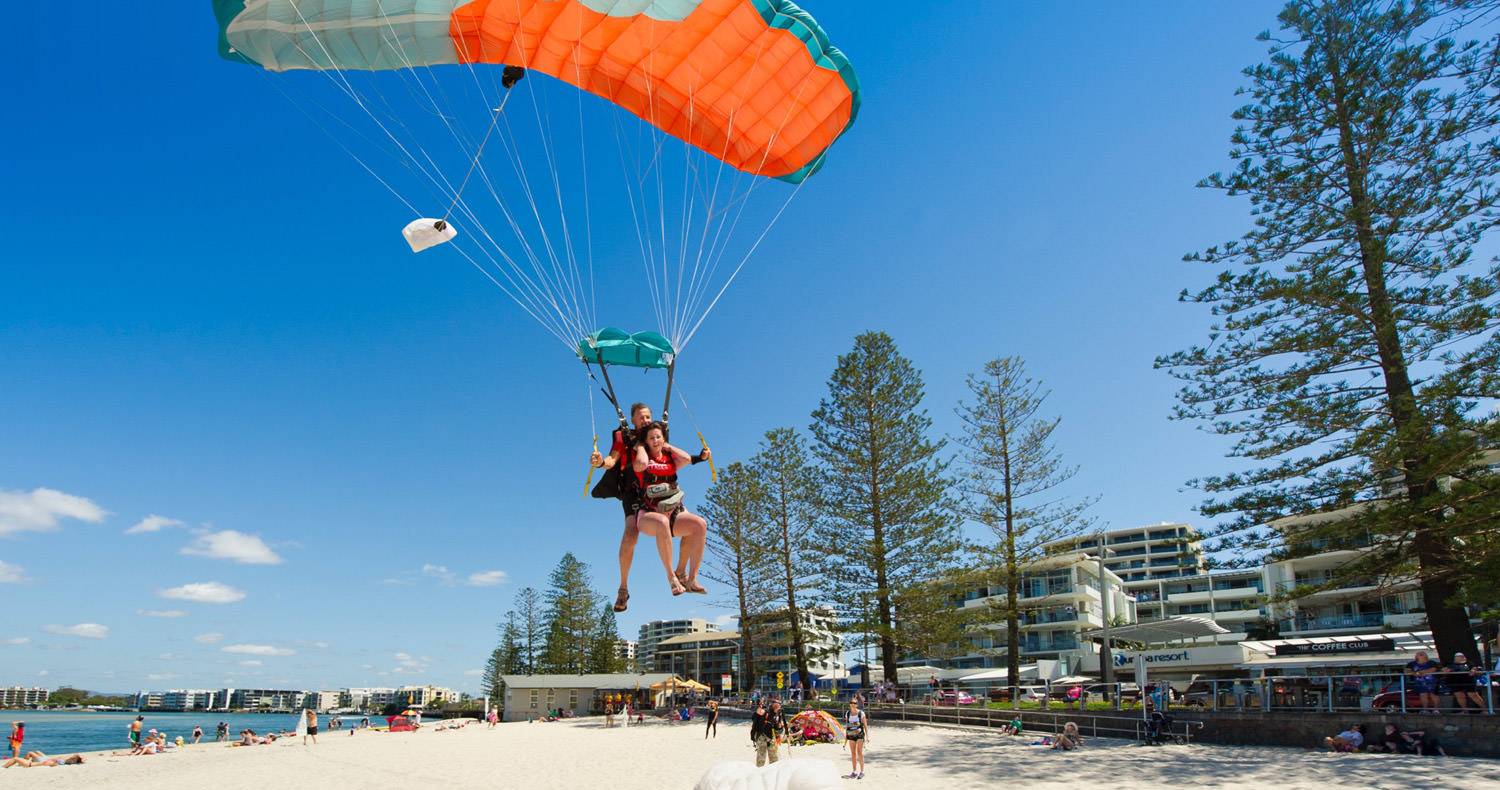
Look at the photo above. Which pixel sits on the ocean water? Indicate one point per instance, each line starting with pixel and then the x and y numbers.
pixel 66 732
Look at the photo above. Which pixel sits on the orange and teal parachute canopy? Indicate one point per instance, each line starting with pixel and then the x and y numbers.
pixel 754 83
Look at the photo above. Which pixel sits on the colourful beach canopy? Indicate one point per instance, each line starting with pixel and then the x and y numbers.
pixel 754 83
pixel 617 347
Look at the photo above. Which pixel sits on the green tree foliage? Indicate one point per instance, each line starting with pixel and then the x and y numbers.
pixel 604 651
pixel 790 485
pixel 883 501
pixel 741 560
pixel 529 630
pixel 572 620
pixel 1007 476
pixel 1354 346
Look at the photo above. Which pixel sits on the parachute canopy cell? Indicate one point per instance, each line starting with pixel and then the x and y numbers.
pixel 754 83
pixel 612 346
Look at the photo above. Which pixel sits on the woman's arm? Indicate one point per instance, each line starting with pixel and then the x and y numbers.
pixel 679 458
pixel 641 459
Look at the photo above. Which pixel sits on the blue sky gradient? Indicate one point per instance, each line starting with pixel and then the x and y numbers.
pixel 207 315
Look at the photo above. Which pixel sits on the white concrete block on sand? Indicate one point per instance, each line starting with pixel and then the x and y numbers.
pixel 583 755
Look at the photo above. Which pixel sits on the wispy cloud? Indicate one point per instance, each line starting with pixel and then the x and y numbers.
pixel 43 673
pixel 85 630
pixel 210 638
pixel 486 579
pixel 473 672
pixel 161 613
pixel 231 545
pixel 410 665
pixel 12 574
pixel 15 640
pixel 203 592
pixel 41 509
pixel 439 572
pixel 251 662
pixel 170 657
pixel 153 523
pixel 163 676
pixel 258 650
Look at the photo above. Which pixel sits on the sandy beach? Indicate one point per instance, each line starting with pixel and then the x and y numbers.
pixel 660 756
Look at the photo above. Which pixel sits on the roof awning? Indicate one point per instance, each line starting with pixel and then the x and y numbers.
pixel 1158 631
pixel 1386 659
pixel 999 674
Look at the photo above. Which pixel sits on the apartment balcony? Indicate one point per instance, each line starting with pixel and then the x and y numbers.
pixel 1305 625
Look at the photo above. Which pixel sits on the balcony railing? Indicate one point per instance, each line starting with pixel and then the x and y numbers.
pixel 1337 621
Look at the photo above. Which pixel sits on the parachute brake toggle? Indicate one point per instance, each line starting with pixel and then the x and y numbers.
pixel 427 232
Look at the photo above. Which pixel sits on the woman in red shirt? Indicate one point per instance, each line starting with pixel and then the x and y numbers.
pixel 659 510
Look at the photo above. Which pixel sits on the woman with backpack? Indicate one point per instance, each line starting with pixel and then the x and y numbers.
pixel 857 732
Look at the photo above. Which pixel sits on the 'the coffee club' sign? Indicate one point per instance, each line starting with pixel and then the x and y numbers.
pixel 1331 648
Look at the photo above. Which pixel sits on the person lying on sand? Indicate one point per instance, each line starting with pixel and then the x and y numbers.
pixel 36 759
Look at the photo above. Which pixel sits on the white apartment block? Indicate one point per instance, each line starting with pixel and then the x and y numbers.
pixel 18 697
pixel 189 699
pixel 428 696
pixel 772 643
pixel 1061 596
pixel 652 634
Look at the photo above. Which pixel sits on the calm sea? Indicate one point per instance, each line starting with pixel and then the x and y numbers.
pixel 65 732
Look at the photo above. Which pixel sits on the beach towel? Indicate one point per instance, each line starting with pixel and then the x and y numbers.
pixel 794 774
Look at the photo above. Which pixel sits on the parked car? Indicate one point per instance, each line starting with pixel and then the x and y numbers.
pixel 952 697
pixel 1390 697
pixel 1028 693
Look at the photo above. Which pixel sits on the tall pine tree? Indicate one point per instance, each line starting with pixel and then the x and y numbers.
pixel 1007 476
pixel 886 519
pixel 1355 348
pixel 740 559
pixel 572 618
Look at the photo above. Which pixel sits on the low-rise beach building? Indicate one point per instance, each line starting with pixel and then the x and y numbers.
pixel 530 697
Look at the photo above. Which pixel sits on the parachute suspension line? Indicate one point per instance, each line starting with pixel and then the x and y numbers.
pixel 741 265
pixel 713 470
pixel 459 193
pixel 637 214
pixel 547 322
pixel 588 221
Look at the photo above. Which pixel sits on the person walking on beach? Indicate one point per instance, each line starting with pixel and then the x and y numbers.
pixel 134 731
pixel 312 727
pixel 17 737
pixel 713 719
pixel 222 733
pixel 197 734
pixel 857 732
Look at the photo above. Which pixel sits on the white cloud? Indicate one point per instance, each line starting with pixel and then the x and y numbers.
pixel 164 676
pixel 258 650
pixel 724 621
pixel 473 672
pixel 236 546
pixel 250 662
pixel 203 592
pixel 161 612
pixel 40 510
pixel 85 630
pixel 170 657
pixel 320 645
pixel 210 638
pixel 12 574
pixel 439 572
pixel 15 640
pixel 486 579
pixel 153 523
pixel 43 673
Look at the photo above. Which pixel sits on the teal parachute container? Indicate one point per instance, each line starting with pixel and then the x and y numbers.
pixel 610 346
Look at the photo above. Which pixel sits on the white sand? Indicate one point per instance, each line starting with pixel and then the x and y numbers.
pixel 582 755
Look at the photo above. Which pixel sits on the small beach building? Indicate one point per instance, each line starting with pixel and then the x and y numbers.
pixel 531 696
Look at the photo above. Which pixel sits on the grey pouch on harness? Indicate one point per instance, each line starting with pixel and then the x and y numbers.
pixel 664 497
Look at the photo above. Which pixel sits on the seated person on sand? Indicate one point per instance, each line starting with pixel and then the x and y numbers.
pixel 1013 728
pixel 1348 740
pixel 36 759
pixel 1068 739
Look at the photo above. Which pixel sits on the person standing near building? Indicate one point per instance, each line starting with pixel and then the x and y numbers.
pixel 134 731
pixel 713 719
pixel 1423 674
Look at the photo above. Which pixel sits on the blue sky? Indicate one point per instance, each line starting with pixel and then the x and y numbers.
pixel 223 376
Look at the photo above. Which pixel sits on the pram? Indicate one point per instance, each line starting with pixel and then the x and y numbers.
pixel 1159 729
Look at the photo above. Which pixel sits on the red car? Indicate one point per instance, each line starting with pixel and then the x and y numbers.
pixel 1390 697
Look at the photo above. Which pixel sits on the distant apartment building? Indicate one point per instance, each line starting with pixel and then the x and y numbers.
pixel 706 657
pixel 625 651
pixel 265 699
pixel 18 697
pixel 427 696
pixel 184 700
pixel 1061 596
pixel 652 634
pixel 773 649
